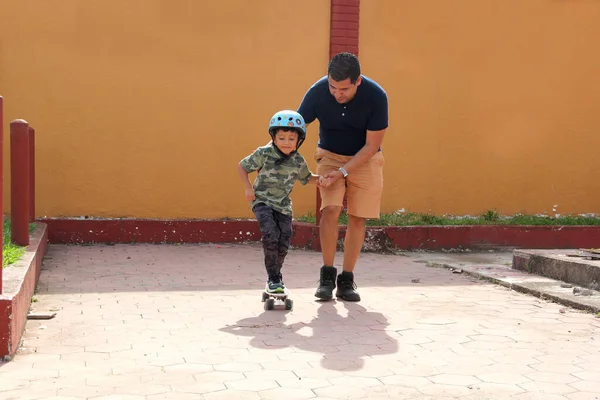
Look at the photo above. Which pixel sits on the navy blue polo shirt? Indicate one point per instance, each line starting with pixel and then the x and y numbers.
pixel 343 127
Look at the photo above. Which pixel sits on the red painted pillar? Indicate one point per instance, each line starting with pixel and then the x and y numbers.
pixel 31 134
pixel 344 24
pixel 1 186
pixel 343 36
pixel 19 182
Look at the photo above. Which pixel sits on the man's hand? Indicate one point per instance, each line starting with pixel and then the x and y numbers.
pixel 333 177
pixel 249 192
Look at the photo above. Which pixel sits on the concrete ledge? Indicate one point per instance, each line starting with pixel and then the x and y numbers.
pixel 306 236
pixel 521 281
pixel 556 264
pixel 19 282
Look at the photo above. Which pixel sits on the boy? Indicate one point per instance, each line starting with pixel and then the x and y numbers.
pixel 279 165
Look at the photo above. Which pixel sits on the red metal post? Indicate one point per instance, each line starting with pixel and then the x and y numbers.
pixel 19 182
pixel 1 187
pixel 31 133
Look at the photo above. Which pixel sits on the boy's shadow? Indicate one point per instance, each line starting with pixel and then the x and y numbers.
pixel 344 341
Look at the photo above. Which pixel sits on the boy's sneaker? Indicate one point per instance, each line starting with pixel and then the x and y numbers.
pixel 275 285
pixel 346 288
pixel 326 283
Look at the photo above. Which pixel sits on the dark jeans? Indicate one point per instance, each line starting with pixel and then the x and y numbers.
pixel 276 231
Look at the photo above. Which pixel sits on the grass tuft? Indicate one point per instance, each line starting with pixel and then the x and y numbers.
pixel 489 217
pixel 11 253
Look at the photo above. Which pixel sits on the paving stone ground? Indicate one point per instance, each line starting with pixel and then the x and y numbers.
pixel 152 322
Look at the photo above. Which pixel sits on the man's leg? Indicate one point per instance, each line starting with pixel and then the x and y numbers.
pixel 328 233
pixel 355 237
pixel 332 199
pixel 364 190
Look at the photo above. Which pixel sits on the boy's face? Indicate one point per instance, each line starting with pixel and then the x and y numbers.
pixel 286 141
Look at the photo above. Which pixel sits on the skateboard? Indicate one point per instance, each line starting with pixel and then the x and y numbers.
pixel 277 299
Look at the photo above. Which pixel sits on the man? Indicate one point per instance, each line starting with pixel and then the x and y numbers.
pixel 353 115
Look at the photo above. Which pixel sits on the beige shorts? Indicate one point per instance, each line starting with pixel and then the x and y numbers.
pixel 363 187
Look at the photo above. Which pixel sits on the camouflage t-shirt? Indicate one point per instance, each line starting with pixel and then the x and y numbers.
pixel 274 183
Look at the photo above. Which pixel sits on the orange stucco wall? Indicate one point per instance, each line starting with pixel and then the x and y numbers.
pixel 143 108
pixel 493 104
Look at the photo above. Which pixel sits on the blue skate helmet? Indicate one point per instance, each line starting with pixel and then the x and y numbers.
pixel 288 119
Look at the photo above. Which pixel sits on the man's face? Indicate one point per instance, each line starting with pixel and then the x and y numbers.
pixel 343 91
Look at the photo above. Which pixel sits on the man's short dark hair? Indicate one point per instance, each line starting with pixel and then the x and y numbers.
pixel 343 66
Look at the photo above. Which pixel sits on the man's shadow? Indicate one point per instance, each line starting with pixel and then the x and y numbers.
pixel 345 342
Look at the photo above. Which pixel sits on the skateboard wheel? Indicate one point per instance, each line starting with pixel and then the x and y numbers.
pixel 289 304
pixel 264 296
pixel 269 304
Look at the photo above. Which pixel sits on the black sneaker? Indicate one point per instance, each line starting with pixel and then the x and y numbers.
pixel 326 283
pixel 346 288
pixel 275 284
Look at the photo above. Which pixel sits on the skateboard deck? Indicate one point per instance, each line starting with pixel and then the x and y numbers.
pixel 273 300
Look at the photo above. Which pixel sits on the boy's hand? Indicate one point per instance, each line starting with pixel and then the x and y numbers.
pixel 323 182
pixel 250 194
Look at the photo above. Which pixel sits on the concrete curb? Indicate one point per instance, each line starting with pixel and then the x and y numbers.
pixel 544 288
pixel 556 264
pixel 20 281
pixel 306 236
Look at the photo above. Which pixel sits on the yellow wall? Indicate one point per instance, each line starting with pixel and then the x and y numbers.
pixel 494 104
pixel 144 107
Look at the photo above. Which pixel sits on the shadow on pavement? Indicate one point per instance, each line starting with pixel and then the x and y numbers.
pixel 344 341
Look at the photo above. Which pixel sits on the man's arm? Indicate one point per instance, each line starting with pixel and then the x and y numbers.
pixel 371 147
pixel 376 128
pixel 375 131
pixel 307 106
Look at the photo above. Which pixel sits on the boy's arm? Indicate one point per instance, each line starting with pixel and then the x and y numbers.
pixel 244 176
pixel 251 163
pixel 305 176
pixel 248 189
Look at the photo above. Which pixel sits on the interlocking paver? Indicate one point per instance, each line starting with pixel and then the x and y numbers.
pixel 503 377
pixel 231 394
pixel 587 386
pixel 342 392
pixel 547 387
pixel 185 321
pixel 439 390
pixel 287 393
pixel 583 396
pixel 537 395
pixel 406 380
pixel 306 383
pixel 253 385
pixel 27 395
pixel 8 383
pixel 454 379
pixel 197 387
